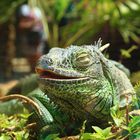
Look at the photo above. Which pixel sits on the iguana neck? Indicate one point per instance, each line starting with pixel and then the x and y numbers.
pixel 88 96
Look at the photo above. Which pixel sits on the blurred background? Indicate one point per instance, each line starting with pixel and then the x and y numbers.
pixel 29 28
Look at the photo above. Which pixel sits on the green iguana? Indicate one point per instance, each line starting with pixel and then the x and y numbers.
pixel 78 83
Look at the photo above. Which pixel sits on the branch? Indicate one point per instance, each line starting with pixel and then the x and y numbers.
pixel 70 138
pixel 22 98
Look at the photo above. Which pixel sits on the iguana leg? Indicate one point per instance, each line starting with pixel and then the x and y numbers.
pixel 44 116
pixel 46 121
pixel 54 120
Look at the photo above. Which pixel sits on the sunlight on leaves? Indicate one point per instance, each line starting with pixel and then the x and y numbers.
pixel 127 53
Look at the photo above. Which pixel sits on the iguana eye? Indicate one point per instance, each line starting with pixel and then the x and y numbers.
pixel 83 60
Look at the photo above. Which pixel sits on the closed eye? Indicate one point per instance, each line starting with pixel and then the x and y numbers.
pixel 83 60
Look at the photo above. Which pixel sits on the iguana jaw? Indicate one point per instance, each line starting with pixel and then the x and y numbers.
pixel 50 75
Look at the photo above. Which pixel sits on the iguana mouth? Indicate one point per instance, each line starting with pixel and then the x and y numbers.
pixel 48 74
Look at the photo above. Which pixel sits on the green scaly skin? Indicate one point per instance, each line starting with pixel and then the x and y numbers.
pixel 78 83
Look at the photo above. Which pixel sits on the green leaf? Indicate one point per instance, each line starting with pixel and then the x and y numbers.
pixel 20 135
pixel 117 115
pixel 14 126
pixel 98 130
pixel 134 123
pixel 60 8
pixel 5 137
pixel 106 132
pixel 118 121
pixel 83 127
pixel 87 136
pixel 125 53
pixel 135 136
pixel 52 137
pixel 126 128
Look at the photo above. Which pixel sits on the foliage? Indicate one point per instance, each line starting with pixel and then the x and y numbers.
pixel 52 137
pixel 67 21
pixel 127 53
pixel 121 127
pixel 84 19
pixel 124 125
pixel 14 127
pixel 135 78
pixel 117 115
pixel 120 130
pixel 100 134
pixel 8 9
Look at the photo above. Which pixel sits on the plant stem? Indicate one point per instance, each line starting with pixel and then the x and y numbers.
pixel 127 111
pixel 55 35
pixel 21 97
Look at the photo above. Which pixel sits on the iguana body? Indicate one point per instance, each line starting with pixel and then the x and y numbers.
pixel 78 84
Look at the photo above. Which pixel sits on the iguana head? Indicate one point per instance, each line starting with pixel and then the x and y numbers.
pixel 72 76
pixel 74 63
